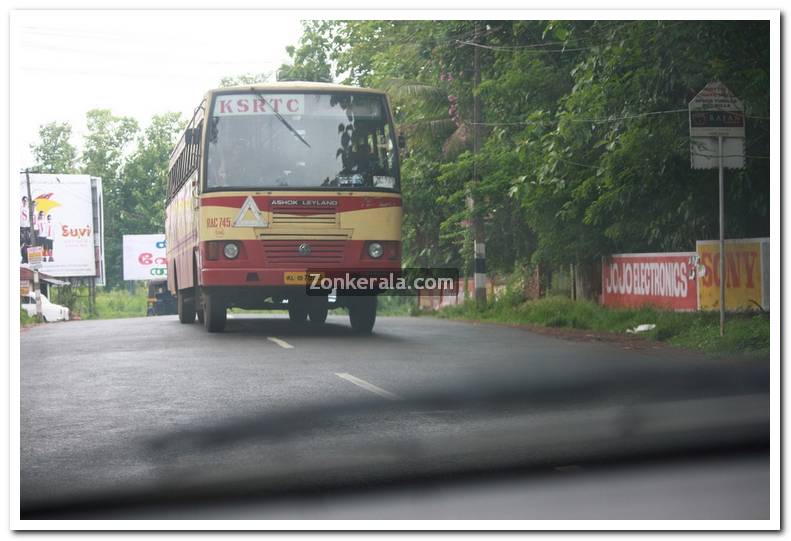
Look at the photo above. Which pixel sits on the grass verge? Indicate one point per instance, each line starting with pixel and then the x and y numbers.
pixel 746 334
pixel 25 319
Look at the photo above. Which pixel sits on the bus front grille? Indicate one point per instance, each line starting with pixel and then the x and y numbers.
pixel 292 216
pixel 278 253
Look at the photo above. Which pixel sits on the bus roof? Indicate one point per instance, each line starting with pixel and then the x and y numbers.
pixel 299 86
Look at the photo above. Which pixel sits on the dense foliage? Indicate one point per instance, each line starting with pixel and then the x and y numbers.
pixel 586 147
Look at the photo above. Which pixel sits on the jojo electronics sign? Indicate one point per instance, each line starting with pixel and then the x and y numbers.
pixel 144 257
pixel 746 274
pixel 664 280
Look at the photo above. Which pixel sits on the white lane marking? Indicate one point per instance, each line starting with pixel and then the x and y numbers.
pixel 282 343
pixel 368 386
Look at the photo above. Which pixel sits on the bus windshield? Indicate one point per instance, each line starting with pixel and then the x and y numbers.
pixel 296 140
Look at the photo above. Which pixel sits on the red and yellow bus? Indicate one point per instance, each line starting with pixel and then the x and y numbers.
pixel 271 180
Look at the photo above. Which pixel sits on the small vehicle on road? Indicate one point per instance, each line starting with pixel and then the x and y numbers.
pixel 160 301
pixel 50 311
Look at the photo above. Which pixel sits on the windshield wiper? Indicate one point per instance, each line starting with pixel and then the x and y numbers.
pixel 281 119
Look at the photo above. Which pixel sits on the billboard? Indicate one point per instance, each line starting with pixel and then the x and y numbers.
pixel 62 223
pixel 664 280
pixel 144 257
pixel 746 274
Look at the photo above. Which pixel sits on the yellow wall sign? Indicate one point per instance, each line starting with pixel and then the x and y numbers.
pixel 746 274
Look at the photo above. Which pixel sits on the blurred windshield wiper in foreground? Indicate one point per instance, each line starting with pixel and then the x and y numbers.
pixel 496 425
pixel 511 395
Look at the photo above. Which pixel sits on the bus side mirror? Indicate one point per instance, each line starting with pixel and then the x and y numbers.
pixel 402 143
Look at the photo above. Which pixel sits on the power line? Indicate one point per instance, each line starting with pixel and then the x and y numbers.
pixel 627 117
pixel 600 120
pixel 524 47
pixel 730 156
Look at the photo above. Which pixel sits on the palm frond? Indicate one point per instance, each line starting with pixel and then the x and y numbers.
pixel 403 88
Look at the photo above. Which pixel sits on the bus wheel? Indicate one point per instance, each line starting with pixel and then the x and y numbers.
pixel 317 311
pixel 215 312
pixel 186 306
pixel 297 312
pixel 362 314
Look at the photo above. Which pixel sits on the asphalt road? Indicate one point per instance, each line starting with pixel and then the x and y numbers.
pixel 116 405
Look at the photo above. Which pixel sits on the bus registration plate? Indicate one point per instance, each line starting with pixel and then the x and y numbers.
pixel 295 278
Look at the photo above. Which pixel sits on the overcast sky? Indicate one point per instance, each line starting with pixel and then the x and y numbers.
pixel 136 63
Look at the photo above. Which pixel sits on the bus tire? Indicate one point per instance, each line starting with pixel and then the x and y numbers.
pixel 362 314
pixel 317 312
pixel 297 312
pixel 215 313
pixel 185 302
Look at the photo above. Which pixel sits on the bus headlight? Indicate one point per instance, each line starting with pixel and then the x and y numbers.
pixel 375 250
pixel 231 250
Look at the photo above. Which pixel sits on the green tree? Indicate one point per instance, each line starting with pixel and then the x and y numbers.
pixel 145 176
pixel 104 154
pixel 309 60
pixel 54 152
pixel 612 173
pixel 244 79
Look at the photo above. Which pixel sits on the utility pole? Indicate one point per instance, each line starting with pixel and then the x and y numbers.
pixel 477 217
pixel 33 239
pixel 30 210
pixel 722 236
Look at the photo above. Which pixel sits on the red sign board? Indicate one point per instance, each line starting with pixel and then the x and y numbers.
pixel 665 280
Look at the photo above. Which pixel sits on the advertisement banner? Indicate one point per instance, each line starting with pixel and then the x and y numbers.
pixel 746 274
pixel 664 280
pixel 144 257
pixel 61 224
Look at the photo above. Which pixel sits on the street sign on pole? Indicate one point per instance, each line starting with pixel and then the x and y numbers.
pixel 716 112
pixel 716 140
pixel 713 114
pixel 35 255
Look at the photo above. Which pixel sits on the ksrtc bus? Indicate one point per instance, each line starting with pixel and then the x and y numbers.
pixel 271 180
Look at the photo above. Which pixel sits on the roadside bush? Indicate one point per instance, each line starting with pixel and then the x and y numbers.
pixel 25 319
pixel 746 334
